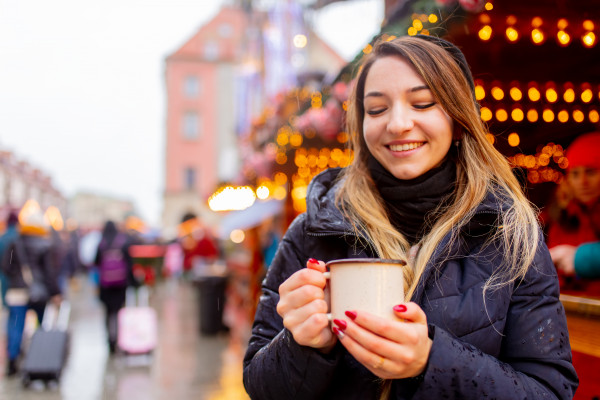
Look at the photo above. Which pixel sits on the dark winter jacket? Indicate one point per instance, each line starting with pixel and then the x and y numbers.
pixel 513 346
pixel 35 252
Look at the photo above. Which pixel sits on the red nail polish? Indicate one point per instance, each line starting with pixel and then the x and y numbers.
pixel 338 332
pixel 313 261
pixel 351 314
pixel 340 323
pixel 400 308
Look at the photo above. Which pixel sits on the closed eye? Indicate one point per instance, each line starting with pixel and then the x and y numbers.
pixel 424 106
pixel 376 111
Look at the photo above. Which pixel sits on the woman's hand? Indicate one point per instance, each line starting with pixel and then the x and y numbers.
pixel 389 349
pixel 303 307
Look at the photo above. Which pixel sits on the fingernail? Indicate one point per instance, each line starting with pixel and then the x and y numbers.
pixel 400 308
pixel 351 314
pixel 338 332
pixel 340 323
pixel 313 261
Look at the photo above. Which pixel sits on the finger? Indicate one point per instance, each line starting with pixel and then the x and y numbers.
pixel 316 265
pixel 301 278
pixel 299 315
pixel 379 335
pixel 410 312
pixel 299 297
pixel 373 361
pixel 314 331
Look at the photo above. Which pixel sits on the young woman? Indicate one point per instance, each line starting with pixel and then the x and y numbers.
pixel 482 318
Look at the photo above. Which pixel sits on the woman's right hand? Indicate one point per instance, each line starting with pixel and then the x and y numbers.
pixel 303 307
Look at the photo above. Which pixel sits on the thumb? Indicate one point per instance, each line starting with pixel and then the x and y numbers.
pixel 411 312
pixel 316 265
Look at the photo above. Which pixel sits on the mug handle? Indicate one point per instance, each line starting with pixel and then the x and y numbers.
pixel 327 276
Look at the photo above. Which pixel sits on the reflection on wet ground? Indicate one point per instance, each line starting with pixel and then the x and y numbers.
pixel 185 365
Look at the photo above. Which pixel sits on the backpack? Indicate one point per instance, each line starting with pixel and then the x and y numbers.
pixel 113 267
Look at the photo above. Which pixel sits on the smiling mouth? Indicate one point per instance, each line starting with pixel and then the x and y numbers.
pixel 406 146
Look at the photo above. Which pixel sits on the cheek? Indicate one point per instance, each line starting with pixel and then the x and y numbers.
pixel 369 133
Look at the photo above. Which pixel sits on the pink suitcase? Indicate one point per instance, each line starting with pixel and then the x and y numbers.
pixel 137 332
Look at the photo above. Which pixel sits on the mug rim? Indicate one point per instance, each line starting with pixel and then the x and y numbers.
pixel 365 260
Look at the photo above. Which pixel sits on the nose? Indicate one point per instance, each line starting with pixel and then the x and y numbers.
pixel 400 120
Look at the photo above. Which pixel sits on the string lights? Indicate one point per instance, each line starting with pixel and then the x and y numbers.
pixel 538 29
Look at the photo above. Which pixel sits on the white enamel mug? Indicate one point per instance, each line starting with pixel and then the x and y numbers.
pixel 365 284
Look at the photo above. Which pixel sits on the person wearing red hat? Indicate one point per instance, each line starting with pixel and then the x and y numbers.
pixel 573 233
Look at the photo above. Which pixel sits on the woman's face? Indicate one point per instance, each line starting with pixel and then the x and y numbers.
pixel 404 127
pixel 585 183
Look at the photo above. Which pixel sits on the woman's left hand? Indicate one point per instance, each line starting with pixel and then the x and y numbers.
pixel 389 349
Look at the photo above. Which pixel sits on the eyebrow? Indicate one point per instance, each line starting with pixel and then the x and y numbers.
pixel 411 90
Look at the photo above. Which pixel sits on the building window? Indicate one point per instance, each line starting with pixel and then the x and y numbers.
pixel 225 30
pixel 189 178
pixel 191 86
pixel 211 50
pixel 191 125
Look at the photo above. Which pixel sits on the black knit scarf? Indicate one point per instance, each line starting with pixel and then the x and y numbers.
pixel 411 203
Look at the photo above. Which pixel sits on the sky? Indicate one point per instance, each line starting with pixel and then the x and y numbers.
pixel 82 93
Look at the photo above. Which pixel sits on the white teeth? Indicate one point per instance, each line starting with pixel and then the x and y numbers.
pixel 406 146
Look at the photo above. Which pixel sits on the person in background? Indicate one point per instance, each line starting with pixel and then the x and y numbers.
pixel 199 246
pixel 115 269
pixel 482 316
pixel 573 224
pixel 28 265
pixel 582 261
pixel 7 238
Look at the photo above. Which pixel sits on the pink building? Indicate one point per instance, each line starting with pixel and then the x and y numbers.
pixel 216 82
pixel 201 141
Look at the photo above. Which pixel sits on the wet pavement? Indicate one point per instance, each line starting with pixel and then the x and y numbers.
pixel 185 365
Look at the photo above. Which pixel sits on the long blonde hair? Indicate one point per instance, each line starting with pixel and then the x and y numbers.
pixel 480 170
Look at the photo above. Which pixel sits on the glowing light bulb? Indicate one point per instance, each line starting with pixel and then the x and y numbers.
pixel 516 94
pixel 300 41
pixel 512 34
pixel 497 93
pixel 479 92
pixel 534 94
pixel 485 33
pixel 537 36
pixel 563 116
pixel 589 39
pixel 501 115
pixel 517 115
pixel 486 114
pixel 548 115
pixel 532 115
pixel 514 139
pixel 551 95
pixel 569 95
pixel 563 38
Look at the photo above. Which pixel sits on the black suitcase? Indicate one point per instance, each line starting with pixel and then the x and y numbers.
pixel 47 353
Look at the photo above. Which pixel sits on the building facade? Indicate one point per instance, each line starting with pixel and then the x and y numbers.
pixel 216 83
pixel 20 181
